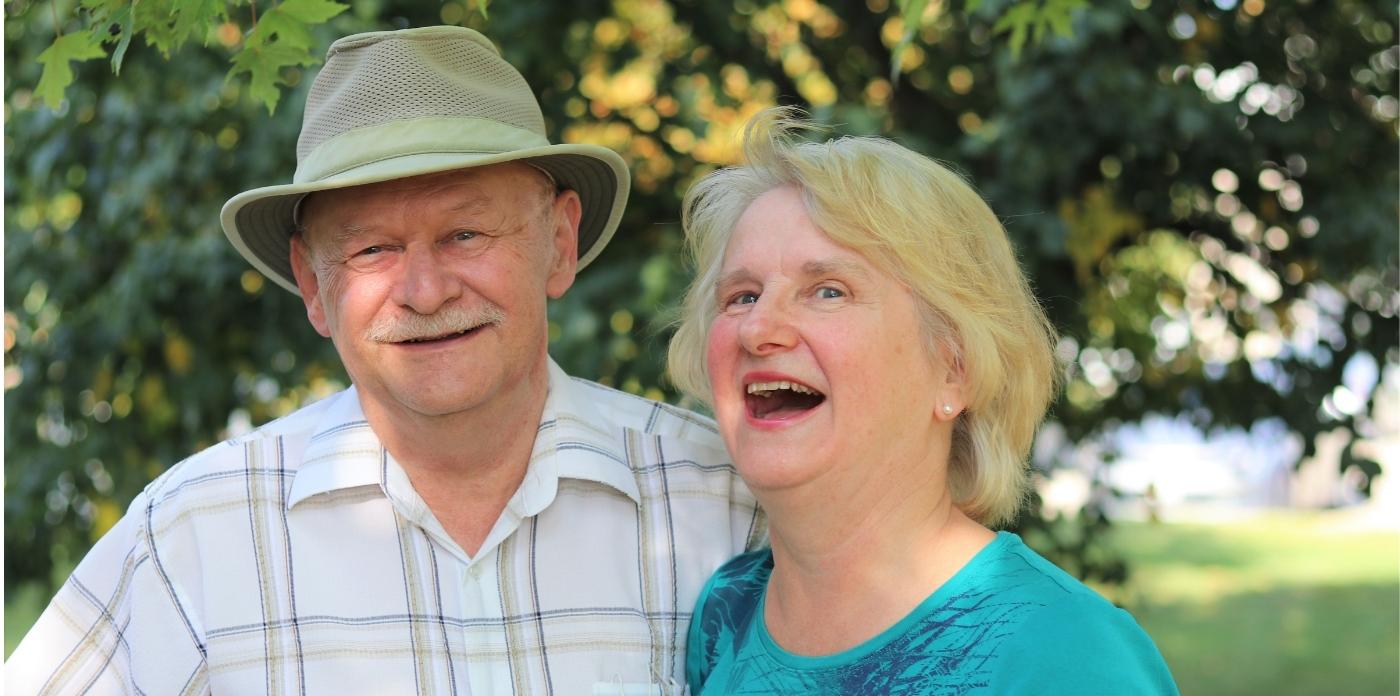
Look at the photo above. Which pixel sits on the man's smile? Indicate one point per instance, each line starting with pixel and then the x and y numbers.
pixel 441 339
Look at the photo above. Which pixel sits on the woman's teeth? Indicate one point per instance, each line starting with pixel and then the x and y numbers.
pixel 767 388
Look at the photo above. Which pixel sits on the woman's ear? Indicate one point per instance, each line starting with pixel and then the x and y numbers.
pixel 953 393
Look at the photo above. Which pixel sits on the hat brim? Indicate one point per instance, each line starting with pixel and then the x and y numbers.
pixel 259 223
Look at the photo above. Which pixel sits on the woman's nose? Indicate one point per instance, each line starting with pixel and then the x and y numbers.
pixel 768 327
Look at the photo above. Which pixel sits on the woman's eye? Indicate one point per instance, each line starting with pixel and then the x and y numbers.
pixel 826 292
pixel 743 298
pixel 464 236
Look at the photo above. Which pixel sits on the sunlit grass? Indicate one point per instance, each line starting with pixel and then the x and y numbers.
pixel 1288 603
pixel 22 609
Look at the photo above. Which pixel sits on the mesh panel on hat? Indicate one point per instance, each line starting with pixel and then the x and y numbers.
pixel 402 77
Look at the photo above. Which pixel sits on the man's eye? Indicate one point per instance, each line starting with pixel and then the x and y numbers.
pixel 743 298
pixel 826 292
pixel 464 236
pixel 370 250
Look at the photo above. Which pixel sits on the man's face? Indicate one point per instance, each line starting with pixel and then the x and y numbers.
pixel 433 288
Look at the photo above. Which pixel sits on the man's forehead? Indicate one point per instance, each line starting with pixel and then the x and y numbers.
pixel 506 175
pixel 477 188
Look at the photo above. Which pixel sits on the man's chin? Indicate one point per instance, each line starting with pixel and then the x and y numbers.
pixel 443 387
pixel 441 404
pixel 427 398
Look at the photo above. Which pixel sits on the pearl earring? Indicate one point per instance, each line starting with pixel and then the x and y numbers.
pixel 947 409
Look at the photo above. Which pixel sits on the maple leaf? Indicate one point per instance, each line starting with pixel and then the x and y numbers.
pixel 1018 20
pixel 283 29
pixel 168 24
pixel 1059 13
pixel 264 65
pixel 102 6
pixel 197 15
pixel 311 11
pixel 281 39
pixel 58 74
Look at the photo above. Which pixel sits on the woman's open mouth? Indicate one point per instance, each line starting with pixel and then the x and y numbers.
pixel 781 400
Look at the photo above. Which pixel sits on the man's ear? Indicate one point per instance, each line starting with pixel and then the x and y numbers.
pixel 309 285
pixel 566 214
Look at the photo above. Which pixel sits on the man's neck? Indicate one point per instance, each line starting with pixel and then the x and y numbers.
pixel 467 465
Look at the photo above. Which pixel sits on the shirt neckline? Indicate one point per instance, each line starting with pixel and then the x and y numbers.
pixel 954 585
pixel 343 451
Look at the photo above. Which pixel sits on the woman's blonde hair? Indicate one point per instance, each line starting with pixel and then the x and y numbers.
pixel 922 223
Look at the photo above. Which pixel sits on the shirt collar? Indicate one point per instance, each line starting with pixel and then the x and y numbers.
pixel 571 442
pixel 575 442
pixel 343 452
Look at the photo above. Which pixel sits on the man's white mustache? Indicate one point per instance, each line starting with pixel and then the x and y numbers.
pixel 447 321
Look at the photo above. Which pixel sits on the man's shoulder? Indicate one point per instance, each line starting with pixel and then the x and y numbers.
pixel 273 446
pixel 647 416
pixel 663 446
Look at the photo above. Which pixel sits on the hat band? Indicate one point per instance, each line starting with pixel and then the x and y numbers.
pixel 427 135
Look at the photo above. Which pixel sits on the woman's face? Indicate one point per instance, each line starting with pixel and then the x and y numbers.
pixel 817 361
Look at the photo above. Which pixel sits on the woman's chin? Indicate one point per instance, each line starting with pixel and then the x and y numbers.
pixel 773 470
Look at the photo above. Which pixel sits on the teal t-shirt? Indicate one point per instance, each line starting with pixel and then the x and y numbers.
pixel 1009 622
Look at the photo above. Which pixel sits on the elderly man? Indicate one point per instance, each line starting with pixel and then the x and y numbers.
pixel 466 518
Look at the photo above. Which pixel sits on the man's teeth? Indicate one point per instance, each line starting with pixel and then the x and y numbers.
pixel 766 389
pixel 438 338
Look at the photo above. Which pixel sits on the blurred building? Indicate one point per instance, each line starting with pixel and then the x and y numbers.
pixel 1168 468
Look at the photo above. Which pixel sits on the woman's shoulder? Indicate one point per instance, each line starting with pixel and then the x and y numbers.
pixel 726 605
pixel 737 586
pixel 757 564
pixel 1079 645
pixel 1011 569
pixel 1052 603
pixel 1068 635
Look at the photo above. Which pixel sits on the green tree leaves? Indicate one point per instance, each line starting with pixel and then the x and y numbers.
pixel 911 12
pixel 58 74
pixel 281 39
pixel 1021 20
pixel 168 24
pixel 133 330
pixel 1031 18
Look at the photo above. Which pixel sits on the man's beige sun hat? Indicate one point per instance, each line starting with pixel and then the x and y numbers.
pixel 394 104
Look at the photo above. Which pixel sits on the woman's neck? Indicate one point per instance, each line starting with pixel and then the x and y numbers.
pixel 846 568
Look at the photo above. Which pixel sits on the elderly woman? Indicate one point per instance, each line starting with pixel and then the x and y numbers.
pixel 878 367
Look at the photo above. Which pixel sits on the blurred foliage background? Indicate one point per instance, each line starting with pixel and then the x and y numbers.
pixel 1204 194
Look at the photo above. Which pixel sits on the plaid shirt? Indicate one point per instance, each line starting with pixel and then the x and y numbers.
pixel 299 559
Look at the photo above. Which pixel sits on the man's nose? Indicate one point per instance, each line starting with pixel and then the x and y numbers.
pixel 768 327
pixel 425 281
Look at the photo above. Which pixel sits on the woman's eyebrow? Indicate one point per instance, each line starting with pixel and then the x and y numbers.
pixel 825 267
pixel 733 278
pixel 819 267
